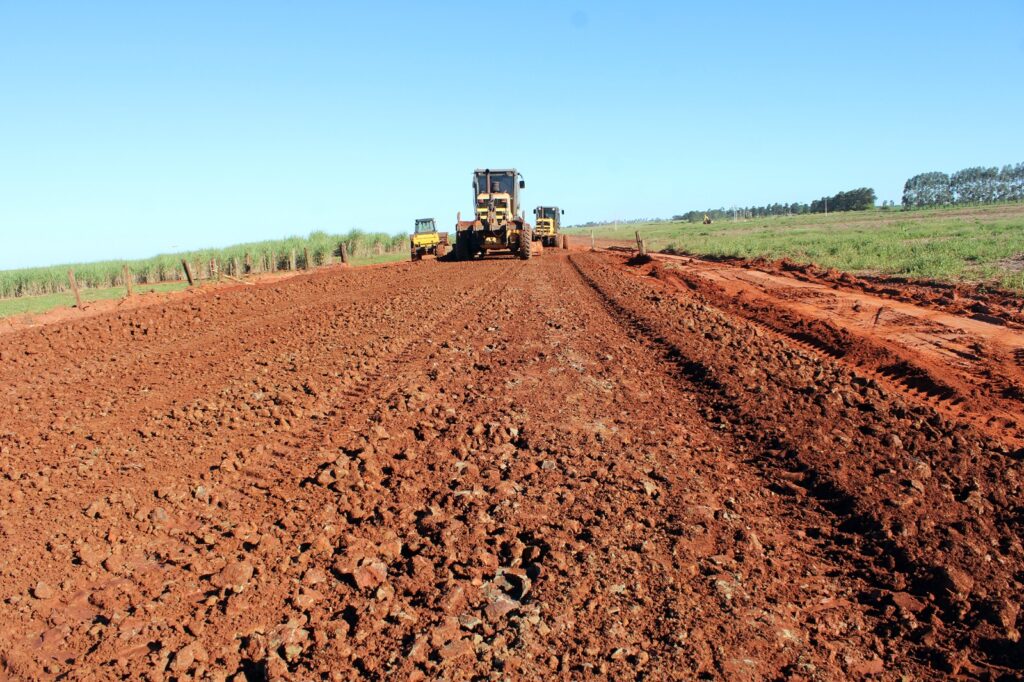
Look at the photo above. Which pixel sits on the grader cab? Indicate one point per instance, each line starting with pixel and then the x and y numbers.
pixel 497 223
pixel 548 223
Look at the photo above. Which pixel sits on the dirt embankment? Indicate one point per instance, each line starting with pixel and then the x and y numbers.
pixel 500 469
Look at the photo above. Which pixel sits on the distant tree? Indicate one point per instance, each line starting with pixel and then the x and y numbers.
pixel 927 189
pixel 1011 179
pixel 976 185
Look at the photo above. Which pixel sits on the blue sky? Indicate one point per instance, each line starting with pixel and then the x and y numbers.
pixel 133 128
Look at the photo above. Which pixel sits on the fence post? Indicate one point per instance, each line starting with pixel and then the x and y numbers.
pixel 238 267
pixel 74 289
pixel 273 262
pixel 592 241
pixel 344 254
pixel 214 269
pixel 305 258
pixel 248 263
pixel 291 261
pixel 641 245
pixel 126 275
pixel 188 271
pixel 565 241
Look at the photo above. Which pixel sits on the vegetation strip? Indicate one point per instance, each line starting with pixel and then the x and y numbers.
pixel 276 254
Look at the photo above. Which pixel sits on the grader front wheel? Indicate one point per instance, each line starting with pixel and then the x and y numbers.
pixel 525 243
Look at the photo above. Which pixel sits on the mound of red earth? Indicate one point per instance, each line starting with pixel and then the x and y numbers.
pixel 564 467
pixel 987 303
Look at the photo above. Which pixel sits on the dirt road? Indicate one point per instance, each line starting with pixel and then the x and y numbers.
pixel 560 468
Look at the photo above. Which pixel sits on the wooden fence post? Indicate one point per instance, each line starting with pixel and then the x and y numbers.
pixel 273 262
pixel 305 258
pixel 126 275
pixel 592 241
pixel 248 263
pixel 641 245
pixel 74 289
pixel 213 269
pixel 565 241
pixel 291 261
pixel 188 271
pixel 344 253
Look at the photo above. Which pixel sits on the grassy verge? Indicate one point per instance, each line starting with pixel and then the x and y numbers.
pixel 45 302
pixel 264 256
pixel 40 304
pixel 383 258
pixel 975 244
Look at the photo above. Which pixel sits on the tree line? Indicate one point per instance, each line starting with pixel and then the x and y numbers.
pixel 975 185
pixel 859 199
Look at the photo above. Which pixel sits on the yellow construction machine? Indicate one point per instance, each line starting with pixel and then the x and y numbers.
pixel 425 240
pixel 497 223
pixel 548 221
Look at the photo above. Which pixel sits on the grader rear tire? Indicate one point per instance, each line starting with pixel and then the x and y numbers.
pixel 525 243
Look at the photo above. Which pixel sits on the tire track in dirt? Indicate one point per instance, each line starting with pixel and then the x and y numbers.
pixel 252 443
pixel 561 471
pixel 979 387
pixel 220 334
pixel 932 570
pixel 708 589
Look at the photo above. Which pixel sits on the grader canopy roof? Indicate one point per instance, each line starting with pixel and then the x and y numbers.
pixel 501 182
pixel 547 211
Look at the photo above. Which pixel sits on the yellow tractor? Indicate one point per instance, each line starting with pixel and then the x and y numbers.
pixel 497 224
pixel 426 240
pixel 548 224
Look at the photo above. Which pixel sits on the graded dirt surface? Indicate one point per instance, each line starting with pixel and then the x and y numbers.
pixel 572 467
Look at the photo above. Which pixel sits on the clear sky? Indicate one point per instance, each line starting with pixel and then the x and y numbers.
pixel 133 128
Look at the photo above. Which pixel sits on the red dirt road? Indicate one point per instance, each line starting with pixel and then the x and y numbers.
pixel 562 468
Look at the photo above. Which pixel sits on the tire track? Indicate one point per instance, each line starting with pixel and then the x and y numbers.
pixel 890 564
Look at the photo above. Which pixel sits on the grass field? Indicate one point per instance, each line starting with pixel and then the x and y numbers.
pixel 975 244
pixel 42 303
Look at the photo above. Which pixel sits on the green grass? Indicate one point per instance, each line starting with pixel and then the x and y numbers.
pixel 975 244
pixel 45 302
pixel 392 257
pixel 36 290
pixel 322 248
pixel 40 304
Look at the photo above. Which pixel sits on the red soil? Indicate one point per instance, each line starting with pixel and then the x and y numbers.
pixel 571 466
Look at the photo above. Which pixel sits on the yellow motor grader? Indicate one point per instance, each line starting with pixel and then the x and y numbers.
pixel 548 223
pixel 425 240
pixel 497 223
